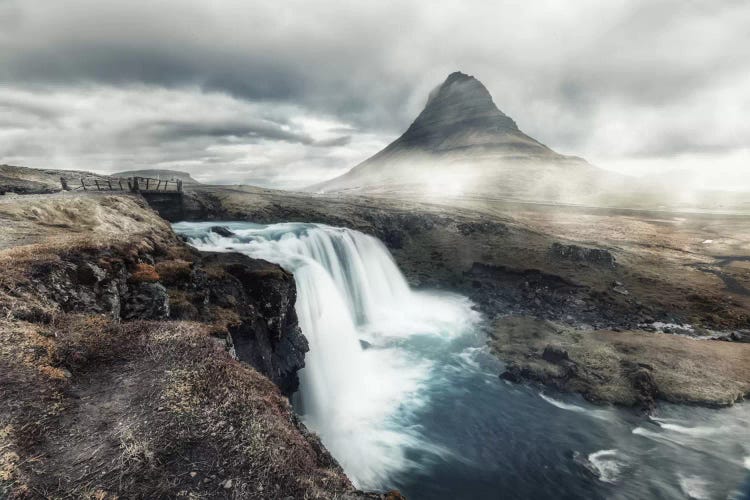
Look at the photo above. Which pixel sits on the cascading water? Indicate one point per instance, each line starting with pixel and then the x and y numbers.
pixel 422 409
pixel 349 290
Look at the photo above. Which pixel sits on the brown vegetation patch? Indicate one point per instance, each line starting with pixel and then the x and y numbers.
pixel 149 409
pixel 144 273
pixel 174 272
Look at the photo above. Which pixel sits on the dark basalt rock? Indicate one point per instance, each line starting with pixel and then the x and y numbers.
pixel 81 286
pixel 483 227
pixel 267 336
pixel 555 354
pixel 146 301
pixel 256 297
pixel 575 253
pixel 222 231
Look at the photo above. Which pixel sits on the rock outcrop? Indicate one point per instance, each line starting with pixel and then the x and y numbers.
pixel 631 368
pixel 577 253
pixel 265 334
pixel 251 301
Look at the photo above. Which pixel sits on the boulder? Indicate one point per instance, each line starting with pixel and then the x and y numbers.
pixel 222 231
pixel 147 300
pixel 587 255
pixel 554 354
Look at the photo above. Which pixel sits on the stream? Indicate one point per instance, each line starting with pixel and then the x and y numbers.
pixel 400 387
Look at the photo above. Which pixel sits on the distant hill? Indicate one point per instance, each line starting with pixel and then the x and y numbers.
pixel 158 174
pixel 462 143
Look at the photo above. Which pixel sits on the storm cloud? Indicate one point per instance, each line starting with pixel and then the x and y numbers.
pixel 286 94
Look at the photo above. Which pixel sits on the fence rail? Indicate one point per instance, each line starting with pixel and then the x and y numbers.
pixel 132 184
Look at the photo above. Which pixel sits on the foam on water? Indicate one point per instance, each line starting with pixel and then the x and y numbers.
pixel 607 465
pixel 601 414
pixel 694 487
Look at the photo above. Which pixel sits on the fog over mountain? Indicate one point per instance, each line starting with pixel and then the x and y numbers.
pixel 461 143
pixel 291 94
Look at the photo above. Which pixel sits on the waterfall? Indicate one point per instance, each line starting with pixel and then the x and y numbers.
pixel 360 401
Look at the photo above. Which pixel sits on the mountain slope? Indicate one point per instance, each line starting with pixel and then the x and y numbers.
pixel 461 143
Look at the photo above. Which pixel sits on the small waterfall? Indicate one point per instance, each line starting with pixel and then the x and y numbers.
pixel 349 289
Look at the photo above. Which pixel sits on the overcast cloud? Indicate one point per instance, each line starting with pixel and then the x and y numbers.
pixel 286 94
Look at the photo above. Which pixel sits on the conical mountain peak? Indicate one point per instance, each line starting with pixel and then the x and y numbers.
pixel 459 105
pixel 460 131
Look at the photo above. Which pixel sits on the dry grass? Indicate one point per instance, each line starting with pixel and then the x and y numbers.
pixel 156 401
pixel 144 273
pixel 174 272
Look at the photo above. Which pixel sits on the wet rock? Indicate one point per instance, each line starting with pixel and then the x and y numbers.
pixel 267 335
pixel 393 238
pixel 555 354
pixel 588 255
pixel 512 374
pixel 642 380
pixel 222 231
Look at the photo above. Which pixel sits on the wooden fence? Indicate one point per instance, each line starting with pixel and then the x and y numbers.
pixel 132 184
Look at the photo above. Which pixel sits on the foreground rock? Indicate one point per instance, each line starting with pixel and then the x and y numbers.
pixel 254 300
pixel 629 368
pixel 576 253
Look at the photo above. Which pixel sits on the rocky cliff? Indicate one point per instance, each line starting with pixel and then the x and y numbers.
pixel 133 366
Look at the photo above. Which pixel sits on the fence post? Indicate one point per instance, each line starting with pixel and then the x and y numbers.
pixel 64 184
pixel 82 184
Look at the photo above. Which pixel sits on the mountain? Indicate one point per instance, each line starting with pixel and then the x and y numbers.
pixel 461 143
pixel 159 174
pixel 460 114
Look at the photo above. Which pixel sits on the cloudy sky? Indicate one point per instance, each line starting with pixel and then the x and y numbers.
pixel 286 94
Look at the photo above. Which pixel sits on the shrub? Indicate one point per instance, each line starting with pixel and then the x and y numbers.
pixel 144 273
pixel 174 272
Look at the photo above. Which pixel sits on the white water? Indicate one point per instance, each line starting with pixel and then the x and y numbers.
pixel 607 465
pixel 349 289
